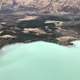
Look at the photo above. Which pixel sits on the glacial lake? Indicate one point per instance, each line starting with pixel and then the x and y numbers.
pixel 40 61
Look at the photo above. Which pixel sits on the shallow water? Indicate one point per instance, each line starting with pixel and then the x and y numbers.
pixel 40 61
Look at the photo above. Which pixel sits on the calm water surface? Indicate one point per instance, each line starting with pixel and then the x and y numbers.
pixel 40 61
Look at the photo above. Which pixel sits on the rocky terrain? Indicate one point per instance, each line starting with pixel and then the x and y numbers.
pixel 27 29
pixel 44 20
pixel 42 6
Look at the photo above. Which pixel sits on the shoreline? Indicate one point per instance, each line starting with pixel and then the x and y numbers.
pixel 10 33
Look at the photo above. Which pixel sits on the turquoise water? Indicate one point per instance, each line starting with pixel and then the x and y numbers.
pixel 40 61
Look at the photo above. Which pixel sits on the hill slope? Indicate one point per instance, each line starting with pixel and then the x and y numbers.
pixel 50 6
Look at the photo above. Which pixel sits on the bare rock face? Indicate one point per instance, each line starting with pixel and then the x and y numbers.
pixel 24 3
pixel 66 40
pixel 70 6
pixel 46 6
pixel 35 31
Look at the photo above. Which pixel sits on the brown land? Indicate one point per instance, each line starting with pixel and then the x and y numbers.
pixel 13 12
pixel 62 33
